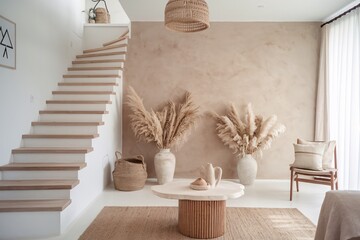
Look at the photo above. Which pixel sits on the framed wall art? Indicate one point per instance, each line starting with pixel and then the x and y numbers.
pixel 7 43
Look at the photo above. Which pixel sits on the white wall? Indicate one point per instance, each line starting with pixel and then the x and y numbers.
pixel 117 13
pixel 48 35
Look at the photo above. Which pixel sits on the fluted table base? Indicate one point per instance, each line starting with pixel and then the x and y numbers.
pixel 202 219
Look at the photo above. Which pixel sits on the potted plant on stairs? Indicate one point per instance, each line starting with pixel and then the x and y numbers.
pixel 167 128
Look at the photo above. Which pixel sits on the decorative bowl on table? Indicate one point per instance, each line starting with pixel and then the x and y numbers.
pixel 199 184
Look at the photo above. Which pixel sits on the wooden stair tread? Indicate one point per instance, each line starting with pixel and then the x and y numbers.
pixel 91 76
pixel 78 102
pixel 34 205
pixel 93 68
pixel 45 184
pixel 105 48
pixel 42 166
pixel 84 92
pixel 101 54
pixel 71 112
pixel 61 136
pixel 88 84
pixel 122 37
pixel 52 150
pixel 98 61
pixel 67 123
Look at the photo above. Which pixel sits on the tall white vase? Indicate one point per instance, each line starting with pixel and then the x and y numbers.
pixel 164 162
pixel 247 169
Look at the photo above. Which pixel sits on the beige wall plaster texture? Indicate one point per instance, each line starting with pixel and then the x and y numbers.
pixel 272 65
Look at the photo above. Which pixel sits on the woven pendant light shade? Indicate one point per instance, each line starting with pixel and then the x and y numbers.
pixel 187 15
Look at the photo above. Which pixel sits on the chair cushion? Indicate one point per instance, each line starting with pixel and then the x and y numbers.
pixel 328 157
pixel 309 156
pixel 313 172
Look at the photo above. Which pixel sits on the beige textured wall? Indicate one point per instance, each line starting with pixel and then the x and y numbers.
pixel 272 65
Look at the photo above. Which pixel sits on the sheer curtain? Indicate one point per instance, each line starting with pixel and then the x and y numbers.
pixel 338 103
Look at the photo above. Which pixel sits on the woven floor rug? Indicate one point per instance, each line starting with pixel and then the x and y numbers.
pixel 156 223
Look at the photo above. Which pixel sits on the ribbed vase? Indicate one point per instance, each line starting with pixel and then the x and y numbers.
pixel 164 162
pixel 246 169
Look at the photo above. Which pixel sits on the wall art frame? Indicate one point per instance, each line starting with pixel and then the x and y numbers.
pixel 7 43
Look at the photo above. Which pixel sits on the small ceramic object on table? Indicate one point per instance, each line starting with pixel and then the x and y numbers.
pixel 199 184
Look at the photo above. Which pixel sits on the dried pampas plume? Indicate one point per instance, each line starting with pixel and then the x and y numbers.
pixel 251 136
pixel 169 127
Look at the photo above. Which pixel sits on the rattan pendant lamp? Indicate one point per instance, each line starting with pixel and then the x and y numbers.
pixel 187 15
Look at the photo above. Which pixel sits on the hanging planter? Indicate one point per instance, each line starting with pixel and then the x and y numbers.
pixel 99 15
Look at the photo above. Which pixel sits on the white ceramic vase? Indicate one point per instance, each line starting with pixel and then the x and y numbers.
pixel 247 169
pixel 164 162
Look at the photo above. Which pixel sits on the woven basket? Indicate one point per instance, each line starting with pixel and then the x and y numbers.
pixel 129 173
pixel 187 15
pixel 102 15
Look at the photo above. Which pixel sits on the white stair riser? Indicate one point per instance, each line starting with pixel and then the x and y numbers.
pixel 34 194
pixel 95 107
pixel 104 97
pixel 112 80
pixel 93 72
pixel 22 225
pixel 48 158
pixel 118 49
pixel 110 64
pixel 86 88
pixel 31 175
pixel 71 117
pixel 48 142
pixel 119 56
pixel 65 129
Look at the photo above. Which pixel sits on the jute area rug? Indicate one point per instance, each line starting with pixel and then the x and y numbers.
pixel 154 223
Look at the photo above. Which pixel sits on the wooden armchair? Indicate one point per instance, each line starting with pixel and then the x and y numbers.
pixel 325 177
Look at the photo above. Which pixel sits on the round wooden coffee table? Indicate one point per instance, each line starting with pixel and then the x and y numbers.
pixel 202 214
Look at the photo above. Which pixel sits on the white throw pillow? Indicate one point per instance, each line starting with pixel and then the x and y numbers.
pixel 328 157
pixel 309 156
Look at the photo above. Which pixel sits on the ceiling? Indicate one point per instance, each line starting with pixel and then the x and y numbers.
pixel 244 10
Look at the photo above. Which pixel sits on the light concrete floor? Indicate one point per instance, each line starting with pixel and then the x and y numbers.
pixel 262 194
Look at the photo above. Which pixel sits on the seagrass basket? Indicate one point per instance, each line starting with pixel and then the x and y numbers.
pixel 129 173
pixel 102 15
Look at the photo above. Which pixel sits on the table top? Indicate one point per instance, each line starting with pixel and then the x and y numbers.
pixel 181 190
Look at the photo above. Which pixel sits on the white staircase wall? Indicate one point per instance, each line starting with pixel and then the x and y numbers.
pixel 48 36
pixel 97 174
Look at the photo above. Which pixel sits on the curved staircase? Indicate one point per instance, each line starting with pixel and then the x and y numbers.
pixel 52 176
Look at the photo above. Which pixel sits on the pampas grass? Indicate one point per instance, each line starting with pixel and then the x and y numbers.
pixel 167 128
pixel 251 136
